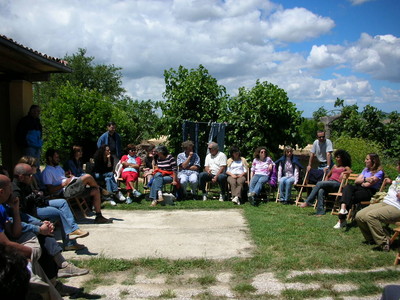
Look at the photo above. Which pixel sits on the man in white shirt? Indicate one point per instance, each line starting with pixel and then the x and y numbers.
pixel 322 149
pixel 214 171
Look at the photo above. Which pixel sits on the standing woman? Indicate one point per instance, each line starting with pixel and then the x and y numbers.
pixel 260 171
pixel 103 170
pixel 237 168
pixel 366 185
pixel 288 174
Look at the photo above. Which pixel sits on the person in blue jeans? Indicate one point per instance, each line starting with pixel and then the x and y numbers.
pixel 261 169
pixel 288 174
pixel 54 210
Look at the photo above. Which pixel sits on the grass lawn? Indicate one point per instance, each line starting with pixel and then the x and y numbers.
pixel 288 239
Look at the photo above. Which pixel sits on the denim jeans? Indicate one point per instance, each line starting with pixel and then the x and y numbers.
pixel 285 188
pixel 58 209
pixel 257 182
pixel 157 185
pixel 109 179
pixel 319 190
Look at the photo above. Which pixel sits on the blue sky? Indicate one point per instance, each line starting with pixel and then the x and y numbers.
pixel 316 50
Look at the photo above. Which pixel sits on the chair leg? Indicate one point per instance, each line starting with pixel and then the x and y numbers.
pixel 397 259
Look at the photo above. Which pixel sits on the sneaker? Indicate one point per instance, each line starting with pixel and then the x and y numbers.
pixel 340 225
pixel 204 196
pixel 121 197
pixel 101 220
pixel 129 200
pixel 136 194
pixel 71 270
pixel 153 203
pixel 66 290
pixel 236 200
pixel 79 233
pixel 113 203
pixel 74 247
pixel 251 199
pixel 343 211
pixel 221 198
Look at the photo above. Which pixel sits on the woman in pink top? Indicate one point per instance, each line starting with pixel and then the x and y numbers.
pixel 261 169
pixel 331 182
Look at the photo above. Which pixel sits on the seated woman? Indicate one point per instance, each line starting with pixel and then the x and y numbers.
pixel 148 167
pixel 165 172
pixel 189 164
pixel 237 168
pixel 103 170
pixel 331 182
pixel 288 174
pixel 130 172
pixel 366 185
pixel 260 170
pixel 74 166
pixel 370 219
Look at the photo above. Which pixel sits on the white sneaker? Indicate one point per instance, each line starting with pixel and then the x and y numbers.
pixel 204 197
pixel 113 203
pixel 221 198
pixel 160 196
pixel 129 200
pixel 121 197
pixel 340 225
pixel 236 200
pixel 343 211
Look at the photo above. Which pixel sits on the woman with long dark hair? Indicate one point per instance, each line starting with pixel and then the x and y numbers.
pixel 366 185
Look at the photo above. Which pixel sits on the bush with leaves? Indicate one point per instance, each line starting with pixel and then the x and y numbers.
pixel 192 95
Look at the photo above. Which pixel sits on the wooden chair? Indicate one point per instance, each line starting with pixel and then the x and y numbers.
pixel 305 185
pixel 81 204
pixel 356 207
pixel 345 181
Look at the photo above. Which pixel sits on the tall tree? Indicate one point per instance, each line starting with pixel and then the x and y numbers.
pixel 262 115
pixel 190 95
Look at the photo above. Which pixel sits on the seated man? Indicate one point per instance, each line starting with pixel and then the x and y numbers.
pixel 214 170
pixel 370 219
pixel 57 184
pixel 189 164
pixel 33 203
pixel 322 149
pixel 26 244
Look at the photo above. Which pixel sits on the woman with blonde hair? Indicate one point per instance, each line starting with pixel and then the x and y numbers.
pixel 288 174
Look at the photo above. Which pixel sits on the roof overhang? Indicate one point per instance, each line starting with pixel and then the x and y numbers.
pixel 21 63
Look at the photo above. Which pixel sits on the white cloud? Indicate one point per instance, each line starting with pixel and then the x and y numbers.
pixel 359 2
pixel 237 41
pixel 297 24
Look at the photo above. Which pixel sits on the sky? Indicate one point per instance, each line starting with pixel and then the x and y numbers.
pixel 316 50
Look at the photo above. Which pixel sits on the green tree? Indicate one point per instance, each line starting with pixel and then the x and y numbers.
pixel 106 79
pixel 320 112
pixel 262 115
pixel 192 95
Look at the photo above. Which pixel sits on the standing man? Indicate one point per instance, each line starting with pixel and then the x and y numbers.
pixel 29 134
pixel 113 140
pixel 214 171
pixel 322 149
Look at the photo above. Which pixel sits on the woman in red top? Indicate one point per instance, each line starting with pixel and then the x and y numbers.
pixel 331 182
pixel 130 172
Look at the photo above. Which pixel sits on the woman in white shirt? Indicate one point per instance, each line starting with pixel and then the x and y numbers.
pixel 237 168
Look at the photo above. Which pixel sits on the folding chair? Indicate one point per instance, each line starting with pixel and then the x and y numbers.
pixel 338 194
pixel 81 204
pixel 305 185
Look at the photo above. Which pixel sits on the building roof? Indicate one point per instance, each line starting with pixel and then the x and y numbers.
pixel 18 62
